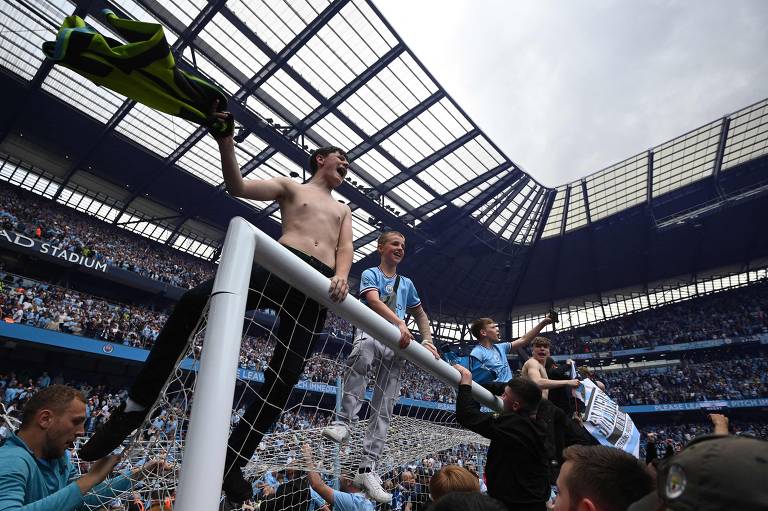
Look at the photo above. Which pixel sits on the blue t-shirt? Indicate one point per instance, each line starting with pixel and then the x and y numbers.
pixel 495 359
pixel 351 502
pixel 407 297
pixel 315 500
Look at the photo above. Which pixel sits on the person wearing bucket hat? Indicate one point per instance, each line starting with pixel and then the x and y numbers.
pixel 714 472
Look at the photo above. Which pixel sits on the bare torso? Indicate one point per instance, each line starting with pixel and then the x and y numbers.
pixel 534 371
pixel 311 220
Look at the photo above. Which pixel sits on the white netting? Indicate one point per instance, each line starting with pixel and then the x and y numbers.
pixel 420 430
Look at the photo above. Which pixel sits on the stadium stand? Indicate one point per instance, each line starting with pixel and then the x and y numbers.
pixel 141 194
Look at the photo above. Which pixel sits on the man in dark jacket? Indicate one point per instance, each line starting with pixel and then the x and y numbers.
pixel 516 468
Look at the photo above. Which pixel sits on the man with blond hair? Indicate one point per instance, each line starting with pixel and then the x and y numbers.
pixel 389 295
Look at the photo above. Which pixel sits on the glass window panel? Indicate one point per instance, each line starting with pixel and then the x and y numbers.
pixel 336 133
pixel 249 148
pixel 137 12
pixel 77 91
pixel 203 160
pixel 279 164
pixel 289 94
pixel 194 247
pixel 22 33
pixel 259 108
pixel 413 193
pixel 210 71
pixel 185 10
pixel 360 225
pixel 276 22
pixel 147 229
pixel 399 147
pixel 375 164
pixel 233 45
pixel 618 187
pixel 155 130
pixel 364 250
pixel 349 44
pixel 747 135
pixel 685 159
pixel 28 177
pixel 471 194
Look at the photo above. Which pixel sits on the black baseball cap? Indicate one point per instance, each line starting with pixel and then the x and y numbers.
pixel 713 473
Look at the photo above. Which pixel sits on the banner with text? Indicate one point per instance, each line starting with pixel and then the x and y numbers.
pixel 46 249
pixel 604 421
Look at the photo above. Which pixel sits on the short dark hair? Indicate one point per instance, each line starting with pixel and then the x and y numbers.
pixel 55 398
pixel 528 393
pixel 540 341
pixel 610 477
pixel 323 151
pixel 480 324
pixel 467 501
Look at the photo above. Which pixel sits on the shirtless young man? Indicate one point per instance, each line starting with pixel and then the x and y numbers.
pixel 316 228
pixel 533 369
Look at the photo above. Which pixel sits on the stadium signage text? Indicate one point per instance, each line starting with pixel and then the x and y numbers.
pixel 46 248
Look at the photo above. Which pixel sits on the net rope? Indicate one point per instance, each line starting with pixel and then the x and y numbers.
pixel 419 430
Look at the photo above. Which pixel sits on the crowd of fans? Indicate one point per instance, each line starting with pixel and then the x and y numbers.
pixel 49 222
pixel 46 306
pixel 677 436
pixel 55 308
pixel 743 378
pixel 727 314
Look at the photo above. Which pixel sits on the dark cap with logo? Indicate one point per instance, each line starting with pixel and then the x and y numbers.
pixel 714 472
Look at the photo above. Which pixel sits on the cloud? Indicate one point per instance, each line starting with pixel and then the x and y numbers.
pixel 566 88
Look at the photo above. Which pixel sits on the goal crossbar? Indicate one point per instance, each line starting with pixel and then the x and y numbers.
pixel 206 445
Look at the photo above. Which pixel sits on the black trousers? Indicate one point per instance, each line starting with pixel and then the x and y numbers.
pixel 301 320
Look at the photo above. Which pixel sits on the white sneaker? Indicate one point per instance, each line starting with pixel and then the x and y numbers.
pixel 371 485
pixel 339 433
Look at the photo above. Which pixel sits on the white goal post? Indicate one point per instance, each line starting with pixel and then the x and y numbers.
pixel 206 442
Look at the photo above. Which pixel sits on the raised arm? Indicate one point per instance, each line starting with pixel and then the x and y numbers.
pixel 256 189
pixel 315 481
pixel 523 341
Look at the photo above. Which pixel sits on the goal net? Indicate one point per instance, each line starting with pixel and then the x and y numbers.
pixel 235 372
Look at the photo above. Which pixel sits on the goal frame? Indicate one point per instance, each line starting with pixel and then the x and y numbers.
pixel 205 448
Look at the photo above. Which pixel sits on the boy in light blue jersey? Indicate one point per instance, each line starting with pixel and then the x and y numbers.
pixel 491 355
pixel 389 295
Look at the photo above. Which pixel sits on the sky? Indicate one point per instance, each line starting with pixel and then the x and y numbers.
pixel 568 87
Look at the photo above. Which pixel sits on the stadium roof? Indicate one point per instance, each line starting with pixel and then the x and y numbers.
pixel 305 74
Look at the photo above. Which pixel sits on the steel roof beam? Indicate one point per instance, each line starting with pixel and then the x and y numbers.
pixel 527 203
pixel 528 210
pixel 586 201
pixel 718 165
pixel 649 179
pixel 550 199
pixel 501 202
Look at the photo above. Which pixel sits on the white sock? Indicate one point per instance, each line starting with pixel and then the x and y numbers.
pixel 133 406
